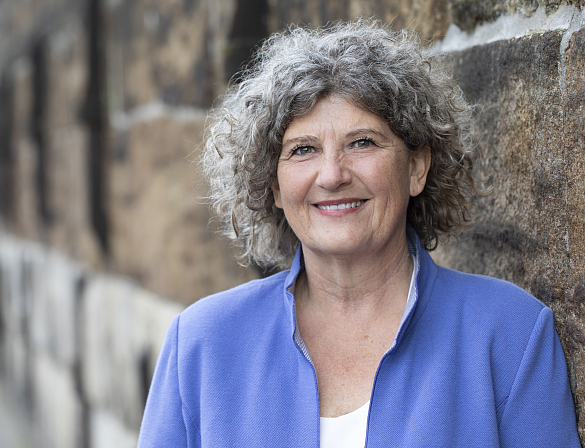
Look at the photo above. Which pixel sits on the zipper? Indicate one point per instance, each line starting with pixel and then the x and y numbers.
pixel 303 349
pixel 401 330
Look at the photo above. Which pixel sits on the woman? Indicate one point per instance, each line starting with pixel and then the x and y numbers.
pixel 344 154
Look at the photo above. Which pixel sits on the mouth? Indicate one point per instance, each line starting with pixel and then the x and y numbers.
pixel 341 206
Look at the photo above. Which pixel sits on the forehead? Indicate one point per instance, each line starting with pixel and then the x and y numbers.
pixel 337 113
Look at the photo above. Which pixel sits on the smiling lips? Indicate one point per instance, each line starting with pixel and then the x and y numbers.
pixel 342 206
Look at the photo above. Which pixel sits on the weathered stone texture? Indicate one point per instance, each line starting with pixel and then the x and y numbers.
pixel 38 339
pixel 124 330
pixel 174 54
pixel 24 22
pixel 67 74
pixel 516 84
pixel 248 27
pixel 6 155
pixel 106 431
pixel 173 253
pixel 574 142
pixel 467 14
pixel 65 144
pixel 430 18
pixel 78 349
pixel 25 219
pixel 169 51
pixel 82 347
pixel 21 73
pixel 530 135
pixel 57 411
pixel 68 197
pixel 160 232
pixel 572 331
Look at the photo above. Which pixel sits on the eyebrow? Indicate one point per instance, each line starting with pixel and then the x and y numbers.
pixel 311 139
pixel 300 139
pixel 365 131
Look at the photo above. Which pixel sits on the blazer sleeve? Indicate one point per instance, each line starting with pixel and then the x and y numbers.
pixel 539 410
pixel 166 422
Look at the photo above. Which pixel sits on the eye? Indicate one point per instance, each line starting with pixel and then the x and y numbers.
pixel 363 143
pixel 303 150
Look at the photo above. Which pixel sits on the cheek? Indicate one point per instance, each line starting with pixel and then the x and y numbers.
pixel 289 188
pixel 395 188
pixel 385 177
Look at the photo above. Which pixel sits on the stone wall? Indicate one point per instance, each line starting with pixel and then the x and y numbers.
pixel 104 113
pixel 77 348
pixel 531 229
pixel 102 106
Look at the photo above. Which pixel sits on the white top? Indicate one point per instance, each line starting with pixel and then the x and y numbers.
pixel 345 431
pixel 349 430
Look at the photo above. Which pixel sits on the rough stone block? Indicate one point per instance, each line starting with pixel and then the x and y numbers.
pixel 27 221
pixel 21 72
pixel 529 230
pixel 67 146
pixel 571 323
pixel 574 142
pixel 124 329
pixel 107 432
pixel 520 227
pixel 17 23
pixel 15 425
pixel 170 51
pixel 68 195
pixel 430 18
pixel 467 14
pixel 67 74
pixel 17 360
pixel 160 234
pixel 57 411
pixel 53 311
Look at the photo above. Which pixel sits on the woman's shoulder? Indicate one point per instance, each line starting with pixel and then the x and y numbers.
pixel 486 293
pixel 492 318
pixel 239 309
pixel 486 310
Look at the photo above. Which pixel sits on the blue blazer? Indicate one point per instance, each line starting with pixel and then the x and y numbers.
pixel 476 363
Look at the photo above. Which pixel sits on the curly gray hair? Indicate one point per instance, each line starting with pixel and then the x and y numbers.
pixel 387 73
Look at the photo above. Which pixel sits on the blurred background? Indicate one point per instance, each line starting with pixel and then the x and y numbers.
pixel 104 236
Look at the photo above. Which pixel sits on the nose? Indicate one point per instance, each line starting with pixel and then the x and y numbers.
pixel 333 173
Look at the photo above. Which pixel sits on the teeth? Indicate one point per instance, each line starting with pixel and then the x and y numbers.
pixel 341 206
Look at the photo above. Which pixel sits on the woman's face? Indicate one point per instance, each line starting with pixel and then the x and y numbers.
pixel 344 180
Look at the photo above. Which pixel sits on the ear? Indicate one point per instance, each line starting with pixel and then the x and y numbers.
pixel 420 162
pixel 276 193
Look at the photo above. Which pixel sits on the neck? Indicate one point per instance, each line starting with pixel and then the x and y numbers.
pixel 357 287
